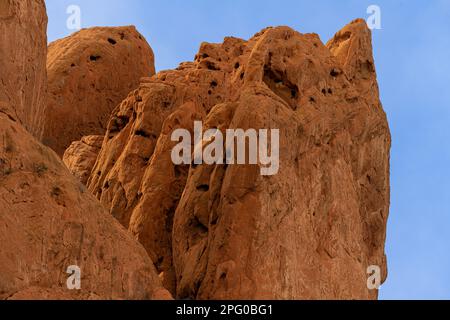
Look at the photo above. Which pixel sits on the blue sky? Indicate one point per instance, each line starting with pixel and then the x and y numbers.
pixel 412 54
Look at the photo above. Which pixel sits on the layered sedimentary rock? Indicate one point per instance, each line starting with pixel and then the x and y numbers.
pixel 49 221
pixel 23 52
pixel 89 73
pixel 309 231
pixel 80 157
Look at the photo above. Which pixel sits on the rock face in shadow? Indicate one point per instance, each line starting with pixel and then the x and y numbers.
pixel 89 73
pixel 227 232
pixel 80 157
pixel 23 52
pixel 49 221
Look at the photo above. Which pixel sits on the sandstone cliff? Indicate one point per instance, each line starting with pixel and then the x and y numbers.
pixel 48 219
pixel 23 51
pixel 89 73
pixel 200 231
pixel 225 231
pixel 312 230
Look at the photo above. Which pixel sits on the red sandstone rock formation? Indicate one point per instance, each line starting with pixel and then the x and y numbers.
pixel 162 186
pixel 136 124
pixel 49 221
pixel 23 26
pixel 310 231
pixel 134 169
pixel 212 231
pixel 89 73
pixel 80 157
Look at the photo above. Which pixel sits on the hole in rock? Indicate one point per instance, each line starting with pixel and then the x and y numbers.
pixel 335 72
pixel 211 66
pixel 203 187
pixel 278 82
pixel 198 226
pixel 142 133
pixel 118 123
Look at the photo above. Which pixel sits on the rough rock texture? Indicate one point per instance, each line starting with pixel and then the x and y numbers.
pixel 49 221
pixel 89 73
pixel 162 186
pixel 312 230
pixel 308 232
pixel 23 52
pixel 80 157
pixel 134 170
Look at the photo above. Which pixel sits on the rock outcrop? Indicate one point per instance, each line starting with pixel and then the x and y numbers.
pixel 89 74
pixel 80 157
pixel 134 169
pixel 49 221
pixel 144 227
pixel 23 52
pixel 227 232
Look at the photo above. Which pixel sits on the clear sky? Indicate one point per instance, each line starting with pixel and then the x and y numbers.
pixel 412 54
